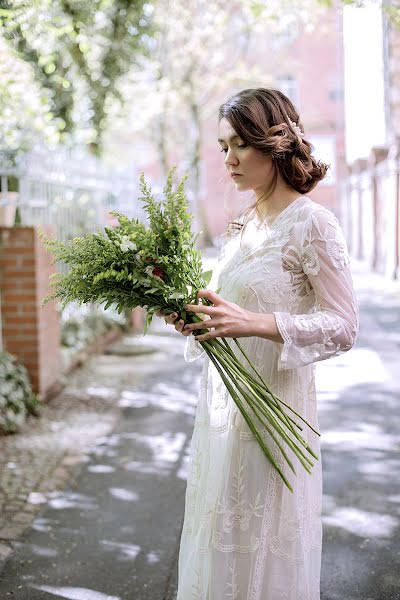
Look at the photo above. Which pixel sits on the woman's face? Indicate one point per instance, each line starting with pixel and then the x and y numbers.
pixel 255 169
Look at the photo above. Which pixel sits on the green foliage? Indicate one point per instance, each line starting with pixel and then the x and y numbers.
pixel 80 328
pixel 78 50
pixel 17 400
pixel 133 264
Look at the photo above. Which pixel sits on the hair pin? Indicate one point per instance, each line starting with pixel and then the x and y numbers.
pixel 296 129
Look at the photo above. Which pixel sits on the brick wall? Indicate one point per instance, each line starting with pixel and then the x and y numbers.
pixel 29 331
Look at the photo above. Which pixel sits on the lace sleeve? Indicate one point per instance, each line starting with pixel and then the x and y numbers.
pixel 333 328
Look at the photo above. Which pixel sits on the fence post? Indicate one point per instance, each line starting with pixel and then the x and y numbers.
pixel 361 165
pixel 378 153
pixel 397 210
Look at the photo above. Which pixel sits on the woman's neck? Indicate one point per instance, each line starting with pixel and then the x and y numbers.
pixel 269 208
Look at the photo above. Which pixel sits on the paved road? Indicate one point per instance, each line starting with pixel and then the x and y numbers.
pixel 113 533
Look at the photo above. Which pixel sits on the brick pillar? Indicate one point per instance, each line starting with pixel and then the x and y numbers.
pixel 29 331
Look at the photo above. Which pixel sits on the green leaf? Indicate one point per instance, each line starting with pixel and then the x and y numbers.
pixel 207 276
pixel 149 318
pixel 218 290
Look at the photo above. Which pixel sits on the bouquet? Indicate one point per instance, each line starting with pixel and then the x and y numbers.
pixel 157 266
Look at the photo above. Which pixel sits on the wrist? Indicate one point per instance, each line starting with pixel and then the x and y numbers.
pixel 264 325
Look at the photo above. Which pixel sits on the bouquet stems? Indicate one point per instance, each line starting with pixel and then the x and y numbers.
pixel 253 394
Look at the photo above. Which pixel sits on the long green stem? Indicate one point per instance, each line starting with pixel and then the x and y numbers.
pixel 273 396
pixel 270 391
pixel 246 396
pixel 273 421
pixel 269 406
pixel 236 398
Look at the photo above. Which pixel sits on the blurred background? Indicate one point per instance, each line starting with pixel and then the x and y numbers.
pixel 92 92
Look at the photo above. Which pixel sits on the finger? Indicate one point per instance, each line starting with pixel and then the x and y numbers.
pixel 199 308
pixel 205 324
pixel 210 295
pixel 179 327
pixel 207 336
pixel 171 318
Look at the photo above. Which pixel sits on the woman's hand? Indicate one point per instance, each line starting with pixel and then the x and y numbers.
pixel 228 319
pixel 171 318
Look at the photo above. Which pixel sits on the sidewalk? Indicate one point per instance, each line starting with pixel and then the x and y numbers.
pixel 111 479
pixel 92 495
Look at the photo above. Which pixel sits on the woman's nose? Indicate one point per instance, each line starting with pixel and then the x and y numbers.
pixel 230 158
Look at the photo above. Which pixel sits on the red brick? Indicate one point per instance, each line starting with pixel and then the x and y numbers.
pixel 18 296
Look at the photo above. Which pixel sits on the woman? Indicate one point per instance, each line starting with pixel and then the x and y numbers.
pixel 286 289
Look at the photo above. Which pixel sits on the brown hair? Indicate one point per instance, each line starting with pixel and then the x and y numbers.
pixel 262 119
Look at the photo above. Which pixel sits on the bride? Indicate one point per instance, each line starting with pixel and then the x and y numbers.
pixel 286 289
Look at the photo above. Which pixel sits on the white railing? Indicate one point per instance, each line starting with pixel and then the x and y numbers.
pixel 370 199
pixel 75 193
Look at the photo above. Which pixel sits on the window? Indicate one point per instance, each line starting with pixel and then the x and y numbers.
pixel 287 84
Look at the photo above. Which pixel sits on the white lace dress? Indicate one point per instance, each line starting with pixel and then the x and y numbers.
pixel 245 535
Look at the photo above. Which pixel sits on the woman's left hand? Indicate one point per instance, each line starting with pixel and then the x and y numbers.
pixel 228 319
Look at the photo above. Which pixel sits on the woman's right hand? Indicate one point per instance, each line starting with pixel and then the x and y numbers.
pixel 171 319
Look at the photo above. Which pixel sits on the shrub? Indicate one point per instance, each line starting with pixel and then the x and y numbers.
pixel 17 400
pixel 81 325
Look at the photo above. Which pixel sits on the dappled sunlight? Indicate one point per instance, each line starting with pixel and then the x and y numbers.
pixel 100 469
pixel 126 551
pixel 36 498
pixel 110 440
pixel 380 471
pixel 362 523
pixel 360 366
pixel 74 593
pixel 100 391
pixel 167 397
pixel 145 468
pixel 394 498
pixel 43 551
pixel 123 494
pixel 182 472
pixel 66 499
pixel 359 439
pixel 152 558
pixel 166 450
pixel 42 524
pixel 135 399
pixel 165 447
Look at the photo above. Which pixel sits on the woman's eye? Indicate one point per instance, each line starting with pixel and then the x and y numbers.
pixel 239 146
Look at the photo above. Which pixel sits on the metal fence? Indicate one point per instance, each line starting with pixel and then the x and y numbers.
pixel 73 192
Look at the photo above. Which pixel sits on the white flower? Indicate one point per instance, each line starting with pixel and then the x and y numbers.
pixel 126 244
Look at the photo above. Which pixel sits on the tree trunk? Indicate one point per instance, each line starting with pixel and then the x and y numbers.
pixel 205 238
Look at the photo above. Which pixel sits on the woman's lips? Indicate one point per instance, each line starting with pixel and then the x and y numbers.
pixel 234 175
